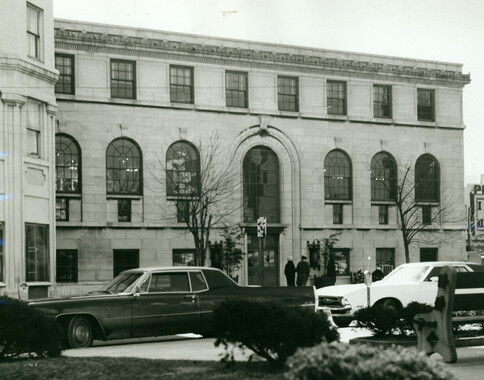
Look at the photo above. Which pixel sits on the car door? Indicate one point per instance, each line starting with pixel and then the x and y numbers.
pixel 429 283
pixel 165 305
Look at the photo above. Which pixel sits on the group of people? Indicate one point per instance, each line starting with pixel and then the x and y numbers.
pixel 301 270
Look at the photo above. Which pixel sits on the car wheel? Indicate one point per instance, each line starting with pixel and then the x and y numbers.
pixel 390 304
pixel 342 322
pixel 79 332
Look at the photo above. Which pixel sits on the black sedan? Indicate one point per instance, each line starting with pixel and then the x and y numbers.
pixel 157 301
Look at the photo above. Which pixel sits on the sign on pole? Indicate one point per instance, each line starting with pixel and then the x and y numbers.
pixel 261 227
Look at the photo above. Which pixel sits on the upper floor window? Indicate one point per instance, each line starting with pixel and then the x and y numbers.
pixel 337 176
pixel 261 185
pixel 67 164
pixel 182 170
pixel 425 104
pixel 427 179
pixel 181 84
pixel 64 63
pixel 382 101
pixel 124 173
pixel 34 27
pixel 123 79
pixel 383 177
pixel 236 89
pixel 336 98
pixel 288 93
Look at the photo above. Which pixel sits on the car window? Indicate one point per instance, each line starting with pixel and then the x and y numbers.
pixel 169 282
pixel 433 273
pixel 198 282
pixel 217 279
pixel 122 283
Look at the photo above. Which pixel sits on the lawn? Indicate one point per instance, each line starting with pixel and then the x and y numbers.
pixel 128 368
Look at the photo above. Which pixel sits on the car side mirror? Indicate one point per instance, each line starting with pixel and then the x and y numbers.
pixel 136 292
pixel 434 279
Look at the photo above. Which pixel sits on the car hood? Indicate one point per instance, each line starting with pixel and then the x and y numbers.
pixel 340 290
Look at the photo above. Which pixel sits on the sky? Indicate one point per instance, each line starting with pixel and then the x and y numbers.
pixel 436 30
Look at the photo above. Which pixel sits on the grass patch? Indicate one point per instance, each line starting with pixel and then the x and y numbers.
pixel 131 368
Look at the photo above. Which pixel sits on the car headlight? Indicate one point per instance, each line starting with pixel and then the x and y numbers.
pixel 344 301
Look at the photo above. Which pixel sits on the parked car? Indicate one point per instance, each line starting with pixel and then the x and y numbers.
pixel 407 283
pixel 158 301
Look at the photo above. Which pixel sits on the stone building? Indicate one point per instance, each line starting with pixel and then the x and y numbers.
pixel 27 166
pixel 318 139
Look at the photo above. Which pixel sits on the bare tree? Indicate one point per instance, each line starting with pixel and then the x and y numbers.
pixel 204 191
pixel 420 204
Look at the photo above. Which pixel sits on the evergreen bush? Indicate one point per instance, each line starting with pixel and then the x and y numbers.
pixel 25 330
pixel 271 329
pixel 337 361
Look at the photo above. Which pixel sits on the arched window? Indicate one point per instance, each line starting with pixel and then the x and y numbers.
pixel 67 164
pixel 337 176
pixel 261 185
pixel 383 177
pixel 124 172
pixel 427 179
pixel 182 170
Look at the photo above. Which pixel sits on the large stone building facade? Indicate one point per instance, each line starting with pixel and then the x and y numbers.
pixel 318 140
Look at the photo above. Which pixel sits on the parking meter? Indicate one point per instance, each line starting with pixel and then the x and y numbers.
pixel 368 282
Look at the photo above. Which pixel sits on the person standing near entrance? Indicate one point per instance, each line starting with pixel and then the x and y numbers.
pixel 290 272
pixel 302 271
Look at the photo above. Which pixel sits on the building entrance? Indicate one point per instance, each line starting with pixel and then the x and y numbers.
pixel 263 266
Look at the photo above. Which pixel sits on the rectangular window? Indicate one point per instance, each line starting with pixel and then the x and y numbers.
pixel 383 214
pixel 66 265
pixel 479 205
pixel 336 98
pixel 425 105
pixel 382 101
pixel 385 259
pixel 184 257
pixel 337 213
pixel 37 252
pixel 181 84
pixel 34 25
pixel 341 261
pixel 426 215
pixel 33 142
pixel 62 209
pixel 428 254
pixel 236 89
pixel 124 259
pixel 123 79
pixel 124 210
pixel 288 93
pixel 64 63
pixel 182 211
pixel 1 253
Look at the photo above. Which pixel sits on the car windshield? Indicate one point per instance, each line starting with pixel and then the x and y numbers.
pixel 123 283
pixel 406 274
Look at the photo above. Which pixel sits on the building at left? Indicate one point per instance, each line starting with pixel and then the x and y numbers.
pixel 27 167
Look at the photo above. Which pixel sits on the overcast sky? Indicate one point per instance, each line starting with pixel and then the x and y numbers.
pixel 439 30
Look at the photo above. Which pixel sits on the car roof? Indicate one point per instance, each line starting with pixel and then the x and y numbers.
pixel 169 268
pixel 427 263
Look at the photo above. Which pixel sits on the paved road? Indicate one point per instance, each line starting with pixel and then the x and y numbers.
pixel 470 364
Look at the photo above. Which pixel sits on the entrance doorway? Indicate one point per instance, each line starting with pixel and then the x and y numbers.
pixel 263 268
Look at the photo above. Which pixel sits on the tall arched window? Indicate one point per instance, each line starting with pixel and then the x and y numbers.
pixel 261 185
pixel 337 176
pixel 182 170
pixel 427 179
pixel 124 172
pixel 67 164
pixel 383 177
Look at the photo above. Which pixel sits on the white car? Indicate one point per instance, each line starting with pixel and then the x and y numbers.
pixel 407 283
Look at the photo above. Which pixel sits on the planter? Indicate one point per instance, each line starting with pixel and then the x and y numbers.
pixel 386 340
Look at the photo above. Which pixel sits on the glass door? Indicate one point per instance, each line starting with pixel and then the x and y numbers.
pixel 263 266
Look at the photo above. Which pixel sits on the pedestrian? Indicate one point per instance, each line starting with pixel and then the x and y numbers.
pixel 290 271
pixel 377 275
pixel 302 271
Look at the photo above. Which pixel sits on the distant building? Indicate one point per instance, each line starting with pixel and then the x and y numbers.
pixel 475 216
pixel 308 129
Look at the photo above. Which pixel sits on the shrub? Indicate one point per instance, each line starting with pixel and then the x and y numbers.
pixel 363 362
pixel 272 330
pixel 388 321
pixel 24 329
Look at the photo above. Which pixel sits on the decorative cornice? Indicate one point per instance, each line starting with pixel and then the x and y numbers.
pixel 28 69
pixel 198 52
